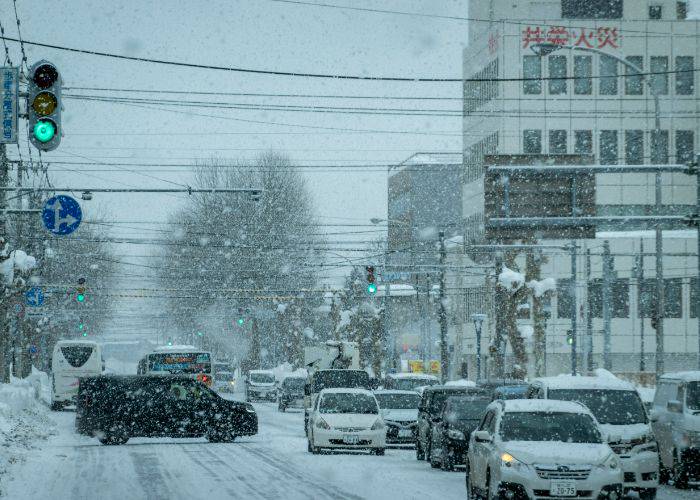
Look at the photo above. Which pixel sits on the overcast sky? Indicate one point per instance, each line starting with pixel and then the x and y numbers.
pixel 260 34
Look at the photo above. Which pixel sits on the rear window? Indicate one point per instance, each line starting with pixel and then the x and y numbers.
pixel 76 355
pixel 262 378
pixel 351 379
pixel 294 383
pixel 409 384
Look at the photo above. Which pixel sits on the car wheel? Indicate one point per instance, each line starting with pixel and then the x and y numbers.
pixel 488 495
pixel 420 455
pixel 432 457
pixel 56 406
pixel 448 461
pixel 281 408
pixel 467 482
pixel 647 494
pixel 679 473
pixel 379 452
pixel 664 473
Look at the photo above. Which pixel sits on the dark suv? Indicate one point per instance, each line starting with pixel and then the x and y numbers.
pixel 115 408
pixel 450 436
pixel 291 393
pixel 430 409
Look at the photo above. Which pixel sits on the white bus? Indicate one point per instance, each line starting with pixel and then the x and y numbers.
pixel 73 359
pixel 178 360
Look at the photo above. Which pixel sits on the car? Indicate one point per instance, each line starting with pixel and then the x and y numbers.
pixel 450 434
pixel 114 408
pixel 346 419
pixel 224 381
pixel 533 449
pixel 399 410
pixel 429 411
pixel 492 384
pixel 290 393
pixel 328 379
pixel 675 419
pixel 510 392
pixel 409 381
pixel 618 408
pixel 260 385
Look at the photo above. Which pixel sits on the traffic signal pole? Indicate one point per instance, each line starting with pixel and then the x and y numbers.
pixel 4 309
pixel 444 352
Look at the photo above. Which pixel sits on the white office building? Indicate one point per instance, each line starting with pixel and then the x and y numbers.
pixel 587 104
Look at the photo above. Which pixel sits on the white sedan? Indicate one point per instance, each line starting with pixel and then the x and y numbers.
pixel 346 419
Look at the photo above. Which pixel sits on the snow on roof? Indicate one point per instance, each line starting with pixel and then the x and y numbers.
pixel 460 383
pixel 677 233
pixel 426 159
pixel 181 347
pixel 345 390
pixel 76 342
pixel 576 382
pixel 423 376
pixel 554 405
pixel 394 391
pixel 397 290
pixel 267 372
pixel 687 376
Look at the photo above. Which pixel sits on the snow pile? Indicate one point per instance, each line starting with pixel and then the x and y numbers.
pixel 23 419
pixel 511 280
pixel 287 370
pixel 463 382
pixel 539 288
pixel 17 261
pixel 526 331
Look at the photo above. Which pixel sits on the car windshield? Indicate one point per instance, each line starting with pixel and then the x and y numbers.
pixel 294 384
pixel 348 403
pixel 548 426
pixel 398 401
pixel 412 383
pixel 457 408
pixel 692 396
pixel 616 407
pixel 262 378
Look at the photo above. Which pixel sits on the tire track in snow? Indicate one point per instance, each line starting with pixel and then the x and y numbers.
pixel 147 467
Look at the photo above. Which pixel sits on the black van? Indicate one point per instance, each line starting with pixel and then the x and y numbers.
pixel 115 408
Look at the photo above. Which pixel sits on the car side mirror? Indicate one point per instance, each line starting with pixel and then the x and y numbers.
pixel 674 406
pixel 482 437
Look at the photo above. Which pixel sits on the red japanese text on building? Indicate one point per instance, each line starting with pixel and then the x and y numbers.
pixel 593 38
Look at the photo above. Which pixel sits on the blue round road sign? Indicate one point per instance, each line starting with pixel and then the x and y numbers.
pixel 34 297
pixel 61 214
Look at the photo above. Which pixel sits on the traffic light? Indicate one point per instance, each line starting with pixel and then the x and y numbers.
pixel 80 291
pixel 371 280
pixel 569 337
pixel 44 106
pixel 82 328
pixel 241 318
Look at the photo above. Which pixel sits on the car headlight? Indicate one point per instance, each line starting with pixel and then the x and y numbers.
pixel 510 462
pixel 455 434
pixel 322 424
pixel 377 425
pixel 610 462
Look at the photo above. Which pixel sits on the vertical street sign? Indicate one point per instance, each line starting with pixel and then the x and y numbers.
pixel 9 91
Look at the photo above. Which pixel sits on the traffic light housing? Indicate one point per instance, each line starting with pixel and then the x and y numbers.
pixel 371 280
pixel 80 291
pixel 241 319
pixel 570 337
pixel 44 105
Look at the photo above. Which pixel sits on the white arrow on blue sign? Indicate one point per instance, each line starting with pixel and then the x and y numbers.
pixel 61 214
pixel 34 297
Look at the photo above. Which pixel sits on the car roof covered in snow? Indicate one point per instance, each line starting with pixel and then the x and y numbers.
pixel 547 405
pixel 76 342
pixel 265 372
pixel 576 382
pixel 396 391
pixel 173 348
pixel 687 376
pixel 345 390
pixel 422 376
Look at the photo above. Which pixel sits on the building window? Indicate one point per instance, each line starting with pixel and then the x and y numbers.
pixel 681 10
pixel 565 301
pixel 557 75
pixel 591 9
pixel 634 147
pixel 557 142
pixel 655 12
pixel 685 79
pixel 608 76
pixel 532 142
pixel 532 68
pixel 685 150
pixel 673 298
pixel 633 80
pixel 659 146
pixel 694 298
pixel 619 298
pixel 583 70
pixel 659 81
pixel 583 142
pixel 608 147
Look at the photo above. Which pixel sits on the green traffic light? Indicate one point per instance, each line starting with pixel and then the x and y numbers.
pixel 44 130
pixel 371 288
pixel 200 334
pixel 80 297
pixel 84 334
pixel 241 321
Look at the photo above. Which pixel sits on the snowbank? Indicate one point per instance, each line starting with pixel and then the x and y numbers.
pixel 17 261
pixel 511 280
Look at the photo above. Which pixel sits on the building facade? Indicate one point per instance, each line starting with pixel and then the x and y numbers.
pixel 578 98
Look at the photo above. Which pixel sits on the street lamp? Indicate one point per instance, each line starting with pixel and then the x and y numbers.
pixel 544 49
pixel 478 320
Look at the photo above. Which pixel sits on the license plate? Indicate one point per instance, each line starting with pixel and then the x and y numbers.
pixel 405 433
pixel 350 439
pixel 562 489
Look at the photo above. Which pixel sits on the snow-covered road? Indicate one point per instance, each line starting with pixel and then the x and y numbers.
pixel 274 464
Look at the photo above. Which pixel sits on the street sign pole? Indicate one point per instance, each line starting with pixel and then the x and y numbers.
pixel 573 307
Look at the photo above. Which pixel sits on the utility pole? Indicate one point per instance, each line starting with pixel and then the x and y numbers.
pixel 640 280
pixel 498 346
pixel 574 309
pixel 589 317
pixel 660 298
pixel 606 298
pixel 4 309
pixel 444 352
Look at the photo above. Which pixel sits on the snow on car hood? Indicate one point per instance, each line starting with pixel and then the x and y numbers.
pixel 547 452
pixel 626 432
pixel 357 420
pixel 393 414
